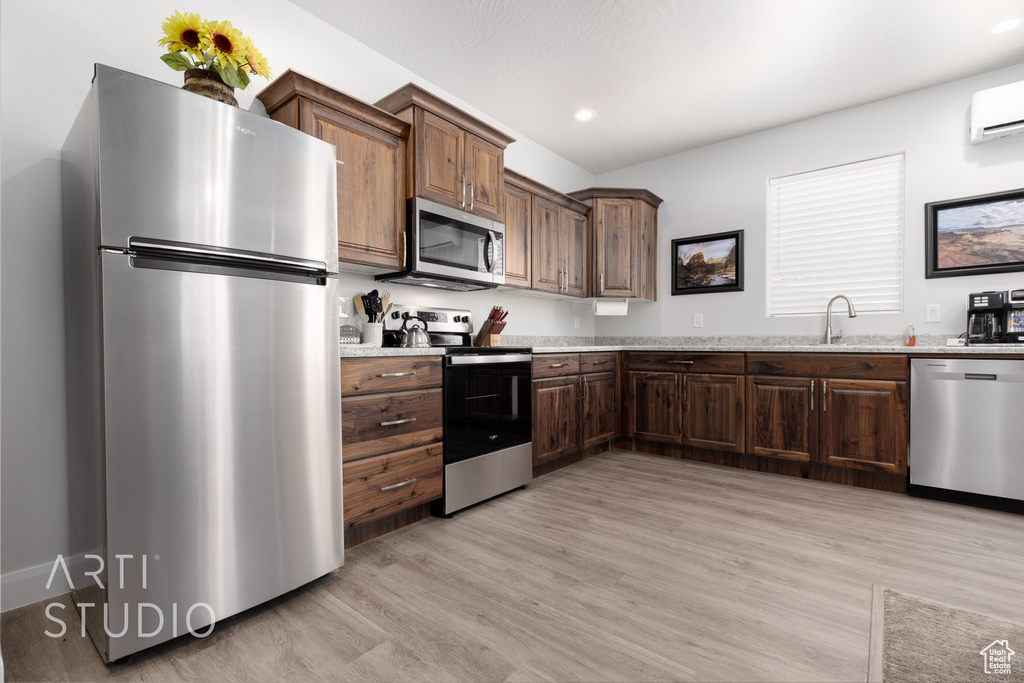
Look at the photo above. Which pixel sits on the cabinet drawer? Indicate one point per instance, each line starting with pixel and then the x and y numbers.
pixel 385 423
pixel 555 365
pixel 377 375
pixel 598 362
pixel 383 485
pixel 839 365
pixel 670 361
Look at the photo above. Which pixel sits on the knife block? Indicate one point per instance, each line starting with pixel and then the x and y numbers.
pixel 487 340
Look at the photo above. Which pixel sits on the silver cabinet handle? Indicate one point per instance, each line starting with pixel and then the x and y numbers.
pixel 397 374
pixel 586 389
pixel 395 486
pixel 824 395
pixel 463 190
pixel 558 365
pixel 684 391
pixel 600 279
pixel 813 382
pixel 398 422
pixel 682 362
pixel 401 253
pixel 472 193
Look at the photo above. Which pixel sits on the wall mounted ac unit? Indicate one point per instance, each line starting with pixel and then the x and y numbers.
pixel 997 113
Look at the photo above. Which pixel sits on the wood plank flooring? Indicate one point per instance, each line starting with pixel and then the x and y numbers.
pixel 624 567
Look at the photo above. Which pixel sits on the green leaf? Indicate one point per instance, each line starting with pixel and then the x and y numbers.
pixel 243 77
pixel 230 76
pixel 176 61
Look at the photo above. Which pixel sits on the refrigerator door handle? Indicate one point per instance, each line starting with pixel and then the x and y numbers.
pixel 184 251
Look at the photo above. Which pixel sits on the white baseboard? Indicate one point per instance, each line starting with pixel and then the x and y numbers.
pixel 25 586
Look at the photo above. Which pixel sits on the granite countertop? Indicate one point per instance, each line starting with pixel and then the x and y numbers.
pixel 927 345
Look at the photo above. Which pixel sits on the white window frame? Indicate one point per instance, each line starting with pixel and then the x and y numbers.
pixel 837 230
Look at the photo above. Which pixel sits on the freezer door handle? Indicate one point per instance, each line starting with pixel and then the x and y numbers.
pixel 184 251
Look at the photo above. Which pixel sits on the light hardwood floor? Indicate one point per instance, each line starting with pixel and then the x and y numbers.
pixel 625 567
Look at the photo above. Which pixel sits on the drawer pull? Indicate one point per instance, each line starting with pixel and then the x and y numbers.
pixel 398 374
pixel 398 422
pixel 682 362
pixel 396 486
pixel 558 365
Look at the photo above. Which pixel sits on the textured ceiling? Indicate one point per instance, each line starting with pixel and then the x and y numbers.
pixel 666 76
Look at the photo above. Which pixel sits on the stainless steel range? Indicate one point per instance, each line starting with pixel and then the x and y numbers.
pixel 487 409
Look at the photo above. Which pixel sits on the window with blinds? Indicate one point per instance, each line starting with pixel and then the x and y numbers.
pixel 835 231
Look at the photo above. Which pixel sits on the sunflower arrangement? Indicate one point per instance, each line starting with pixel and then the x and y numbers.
pixel 215 46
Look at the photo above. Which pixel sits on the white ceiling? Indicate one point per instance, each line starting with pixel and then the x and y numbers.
pixel 666 76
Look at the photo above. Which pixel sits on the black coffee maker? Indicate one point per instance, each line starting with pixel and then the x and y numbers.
pixel 986 313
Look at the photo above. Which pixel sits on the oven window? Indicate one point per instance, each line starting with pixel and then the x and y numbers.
pixel 487 408
pixel 450 242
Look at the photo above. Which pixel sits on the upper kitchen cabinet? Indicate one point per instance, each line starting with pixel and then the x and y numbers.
pixel 625 241
pixel 547 238
pixel 457 160
pixel 371 147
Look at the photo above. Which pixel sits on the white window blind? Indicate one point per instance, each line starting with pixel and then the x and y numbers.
pixel 837 231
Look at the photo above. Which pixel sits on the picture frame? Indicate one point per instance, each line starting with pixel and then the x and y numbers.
pixel 708 263
pixel 975 235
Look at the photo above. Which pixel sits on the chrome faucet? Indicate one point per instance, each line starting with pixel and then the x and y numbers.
pixel 828 317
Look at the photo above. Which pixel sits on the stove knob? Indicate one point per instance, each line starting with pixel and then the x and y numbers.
pixel 396 315
pixel 457 319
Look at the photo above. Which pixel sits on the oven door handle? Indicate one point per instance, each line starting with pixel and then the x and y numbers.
pixel 490 359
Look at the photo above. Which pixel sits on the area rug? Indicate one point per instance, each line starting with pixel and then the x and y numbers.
pixel 913 639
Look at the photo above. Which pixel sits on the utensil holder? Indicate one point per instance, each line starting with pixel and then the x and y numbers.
pixel 373 333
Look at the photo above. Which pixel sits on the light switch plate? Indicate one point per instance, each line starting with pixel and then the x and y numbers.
pixel 698 320
pixel 933 313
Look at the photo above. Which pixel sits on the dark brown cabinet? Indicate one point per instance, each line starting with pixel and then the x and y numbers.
pixel 575 403
pixel 691 399
pixel 625 241
pixel 371 150
pixel 457 160
pixel 547 270
pixel 847 410
pixel 518 203
pixel 574 250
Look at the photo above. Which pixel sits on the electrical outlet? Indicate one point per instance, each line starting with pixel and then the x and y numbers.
pixel 698 320
pixel 933 313
pixel 576 322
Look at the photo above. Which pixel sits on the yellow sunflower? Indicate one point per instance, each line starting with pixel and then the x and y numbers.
pixel 255 62
pixel 184 33
pixel 227 44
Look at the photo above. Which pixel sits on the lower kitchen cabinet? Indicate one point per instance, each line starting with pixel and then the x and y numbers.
pixel 713 412
pixel 392 448
pixel 575 403
pixel 656 406
pixel 839 419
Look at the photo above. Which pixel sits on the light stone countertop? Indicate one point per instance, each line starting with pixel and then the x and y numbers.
pixel 933 345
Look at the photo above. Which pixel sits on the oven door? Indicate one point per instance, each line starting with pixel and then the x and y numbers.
pixel 456 244
pixel 487 404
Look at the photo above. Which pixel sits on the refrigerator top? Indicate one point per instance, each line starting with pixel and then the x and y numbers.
pixel 178 166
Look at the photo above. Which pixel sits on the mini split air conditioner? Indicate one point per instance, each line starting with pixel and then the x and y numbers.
pixel 997 113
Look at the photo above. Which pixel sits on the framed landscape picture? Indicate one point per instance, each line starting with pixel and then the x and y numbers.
pixel 708 263
pixel 975 235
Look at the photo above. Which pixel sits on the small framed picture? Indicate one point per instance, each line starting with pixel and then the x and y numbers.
pixel 708 263
pixel 975 235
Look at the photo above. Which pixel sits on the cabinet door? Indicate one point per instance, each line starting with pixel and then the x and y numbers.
pixel 781 418
pixel 599 416
pixel 518 229
pixel 647 252
pixel 547 265
pixel 864 424
pixel 555 418
pixel 371 188
pixel 713 412
pixel 485 173
pixel 575 250
pixel 440 173
pixel 614 231
pixel 655 406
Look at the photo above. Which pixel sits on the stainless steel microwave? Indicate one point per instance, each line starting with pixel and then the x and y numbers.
pixel 451 249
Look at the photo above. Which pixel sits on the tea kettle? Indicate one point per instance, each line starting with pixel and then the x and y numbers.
pixel 414 337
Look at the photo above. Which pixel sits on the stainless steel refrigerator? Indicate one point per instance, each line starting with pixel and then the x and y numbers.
pixel 202 360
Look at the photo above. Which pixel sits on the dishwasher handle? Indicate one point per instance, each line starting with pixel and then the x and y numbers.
pixel 982 376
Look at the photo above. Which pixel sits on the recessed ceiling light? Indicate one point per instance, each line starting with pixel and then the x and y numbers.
pixel 584 114
pixel 1003 25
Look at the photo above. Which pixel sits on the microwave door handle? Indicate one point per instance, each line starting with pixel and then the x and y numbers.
pixel 489 259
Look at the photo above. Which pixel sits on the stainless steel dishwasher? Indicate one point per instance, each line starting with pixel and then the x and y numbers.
pixel 964 435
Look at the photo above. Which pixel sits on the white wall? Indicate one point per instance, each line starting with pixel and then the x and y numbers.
pixel 722 187
pixel 47 50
